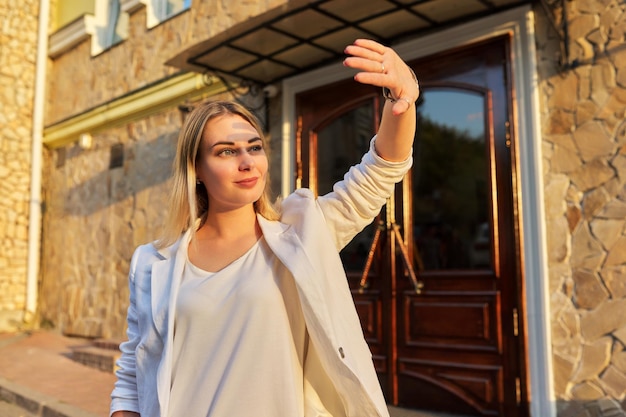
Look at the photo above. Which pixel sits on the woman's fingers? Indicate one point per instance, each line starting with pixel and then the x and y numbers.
pixel 369 56
pixel 381 66
pixel 371 45
pixel 366 65
pixel 364 53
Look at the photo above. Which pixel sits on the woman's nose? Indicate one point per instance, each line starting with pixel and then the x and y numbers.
pixel 247 161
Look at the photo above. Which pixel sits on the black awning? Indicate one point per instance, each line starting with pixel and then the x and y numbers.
pixel 302 35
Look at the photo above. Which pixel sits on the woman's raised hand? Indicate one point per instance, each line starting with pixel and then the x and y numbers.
pixel 381 66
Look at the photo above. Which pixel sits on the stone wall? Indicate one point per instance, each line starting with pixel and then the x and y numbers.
pixel 18 40
pixel 103 201
pixel 583 105
pixel 79 81
pixel 100 204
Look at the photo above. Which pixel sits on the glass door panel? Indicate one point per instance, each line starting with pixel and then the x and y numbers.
pixel 451 181
pixel 340 145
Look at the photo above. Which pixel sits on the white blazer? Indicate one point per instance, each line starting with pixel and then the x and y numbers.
pixel 307 241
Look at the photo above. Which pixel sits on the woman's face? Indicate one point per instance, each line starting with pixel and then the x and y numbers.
pixel 232 163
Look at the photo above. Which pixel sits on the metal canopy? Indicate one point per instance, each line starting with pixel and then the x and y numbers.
pixel 302 35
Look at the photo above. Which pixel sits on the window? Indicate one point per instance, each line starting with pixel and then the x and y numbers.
pixel 106 21
pixel 102 20
pixel 161 10
pixel 110 26
pixel 112 29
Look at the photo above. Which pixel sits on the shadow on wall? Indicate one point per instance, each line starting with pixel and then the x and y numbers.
pixel 598 408
pixel 604 407
pixel 129 169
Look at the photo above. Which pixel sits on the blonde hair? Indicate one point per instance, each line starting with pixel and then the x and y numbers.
pixel 189 202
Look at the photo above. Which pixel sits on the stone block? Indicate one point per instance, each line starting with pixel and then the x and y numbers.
pixel 565 92
pixel 555 196
pixel 620 334
pixel 558 240
pixel 572 409
pixel 587 391
pixel 604 320
pixel 617 254
pixel 593 141
pixel 586 110
pixel 581 24
pixel 562 368
pixel 605 407
pixel 587 253
pixel 614 209
pixel 602 81
pixel 614 383
pixel 589 290
pixel 564 160
pixel 607 231
pixel 559 122
pixel 594 359
pixel 558 274
pixel 596 200
pixel 619 357
pixel 573 216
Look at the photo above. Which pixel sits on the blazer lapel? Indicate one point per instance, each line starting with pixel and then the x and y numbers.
pixel 162 276
pixel 161 280
pixel 166 278
pixel 289 249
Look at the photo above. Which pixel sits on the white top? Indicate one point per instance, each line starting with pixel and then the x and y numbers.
pixel 239 341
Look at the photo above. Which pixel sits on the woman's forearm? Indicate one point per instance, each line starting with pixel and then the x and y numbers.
pixel 395 135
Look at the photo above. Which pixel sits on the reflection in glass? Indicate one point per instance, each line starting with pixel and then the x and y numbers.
pixel 167 8
pixel 451 181
pixel 111 25
pixel 112 35
pixel 341 144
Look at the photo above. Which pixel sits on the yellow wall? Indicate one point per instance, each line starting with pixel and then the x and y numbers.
pixel 69 10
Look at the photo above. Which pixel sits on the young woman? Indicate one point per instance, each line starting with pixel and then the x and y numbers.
pixel 243 309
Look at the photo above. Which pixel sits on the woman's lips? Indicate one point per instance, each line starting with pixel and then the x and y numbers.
pixel 248 182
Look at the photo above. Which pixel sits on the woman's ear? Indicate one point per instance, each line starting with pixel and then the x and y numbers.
pixel 198 179
pixel 195 171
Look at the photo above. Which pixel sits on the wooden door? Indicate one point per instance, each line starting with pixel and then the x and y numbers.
pixel 447 338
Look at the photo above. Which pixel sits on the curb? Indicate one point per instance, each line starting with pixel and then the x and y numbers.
pixel 38 404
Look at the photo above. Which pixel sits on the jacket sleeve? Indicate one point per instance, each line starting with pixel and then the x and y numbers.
pixel 359 197
pixel 124 396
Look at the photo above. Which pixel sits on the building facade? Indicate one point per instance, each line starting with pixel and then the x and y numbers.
pixel 512 300
pixel 18 52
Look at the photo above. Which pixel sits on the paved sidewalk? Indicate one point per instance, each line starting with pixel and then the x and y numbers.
pixel 37 374
pixel 12 410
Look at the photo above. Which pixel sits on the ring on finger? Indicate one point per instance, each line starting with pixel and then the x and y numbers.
pixel 382 68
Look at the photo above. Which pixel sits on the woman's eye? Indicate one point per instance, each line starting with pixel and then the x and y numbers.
pixel 227 152
pixel 256 148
